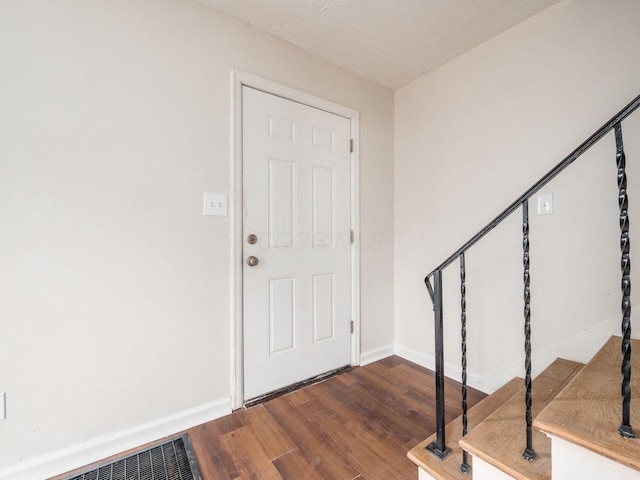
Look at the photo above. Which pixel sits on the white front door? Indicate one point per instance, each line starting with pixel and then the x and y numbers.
pixel 296 202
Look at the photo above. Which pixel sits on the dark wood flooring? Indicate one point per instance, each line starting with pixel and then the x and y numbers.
pixel 359 424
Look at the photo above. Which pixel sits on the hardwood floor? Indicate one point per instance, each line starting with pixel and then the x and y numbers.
pixel 359 424
pixel 356 425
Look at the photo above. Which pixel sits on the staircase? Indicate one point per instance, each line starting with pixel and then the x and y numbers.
pixel 573 421
pixel 576 416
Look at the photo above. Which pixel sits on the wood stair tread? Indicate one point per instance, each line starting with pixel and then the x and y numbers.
pixel 588 411
pixel 500 439
pixel 449 467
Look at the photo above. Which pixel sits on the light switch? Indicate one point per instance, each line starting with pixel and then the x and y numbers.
pixel 215 204
pixel 545 204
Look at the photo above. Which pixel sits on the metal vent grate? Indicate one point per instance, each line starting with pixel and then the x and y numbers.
pixel 173 460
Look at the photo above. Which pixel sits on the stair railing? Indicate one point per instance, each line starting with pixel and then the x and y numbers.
pixel 439 447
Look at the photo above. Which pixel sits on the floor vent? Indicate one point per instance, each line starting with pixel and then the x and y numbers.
pixel 172 460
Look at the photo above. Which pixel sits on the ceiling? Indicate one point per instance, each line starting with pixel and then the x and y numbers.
pixel 388 41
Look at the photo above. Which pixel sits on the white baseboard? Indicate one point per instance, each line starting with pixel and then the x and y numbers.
pixel 376 354
pixel 422 359
pixel 579 347
pixel 427 361
pixel 76 456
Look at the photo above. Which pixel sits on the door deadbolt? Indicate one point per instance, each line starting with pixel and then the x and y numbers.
pixel 252 261
pixel 252 239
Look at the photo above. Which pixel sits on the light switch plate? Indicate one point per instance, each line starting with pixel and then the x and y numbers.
pixel 3 406
pixel 545 204
pixel 215 204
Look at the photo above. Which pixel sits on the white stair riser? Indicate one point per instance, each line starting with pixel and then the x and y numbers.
pixel 573 462
pixel 423 475
pixel 485 471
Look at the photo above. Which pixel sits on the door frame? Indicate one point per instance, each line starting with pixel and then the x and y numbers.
pixel 240 79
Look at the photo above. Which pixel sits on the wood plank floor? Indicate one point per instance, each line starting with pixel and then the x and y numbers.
pixel 359 424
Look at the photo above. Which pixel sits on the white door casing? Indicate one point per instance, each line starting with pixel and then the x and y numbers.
pixel 296 201
pixel 239 79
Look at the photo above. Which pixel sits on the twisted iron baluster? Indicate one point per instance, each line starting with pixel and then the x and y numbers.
pixel 528 453
pixel 464 466
pixel 625 265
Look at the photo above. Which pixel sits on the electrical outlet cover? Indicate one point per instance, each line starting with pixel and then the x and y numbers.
pixel 545 204
pixel 215 204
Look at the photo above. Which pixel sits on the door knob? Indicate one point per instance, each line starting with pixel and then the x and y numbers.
pixel 252 239
pixel 252 261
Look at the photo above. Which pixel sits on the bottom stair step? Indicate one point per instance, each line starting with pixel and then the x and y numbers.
pixel 500 439
pixel 449 467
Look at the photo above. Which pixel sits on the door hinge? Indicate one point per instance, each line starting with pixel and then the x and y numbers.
pixel 351 145
pixel 352 326
pixel 352 236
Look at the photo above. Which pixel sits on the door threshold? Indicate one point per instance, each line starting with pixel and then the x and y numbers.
pixel 295 386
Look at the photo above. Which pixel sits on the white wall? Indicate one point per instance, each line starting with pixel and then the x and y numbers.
pixel 115 292
pixel 475 134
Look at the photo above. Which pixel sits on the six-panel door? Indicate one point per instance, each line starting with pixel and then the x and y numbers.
pixel 296 201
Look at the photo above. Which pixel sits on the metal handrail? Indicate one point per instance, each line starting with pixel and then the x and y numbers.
pixel 568 160
pixel 438 447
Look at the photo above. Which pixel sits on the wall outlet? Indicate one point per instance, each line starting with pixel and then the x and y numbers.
pixel 3 406
pixel 215 204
